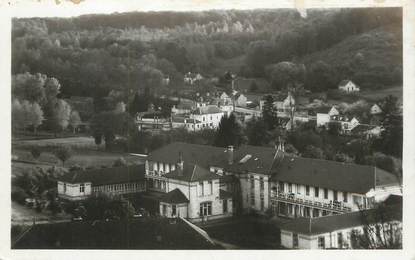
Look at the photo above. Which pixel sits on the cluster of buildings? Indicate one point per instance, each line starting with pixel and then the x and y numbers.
pixel 319 200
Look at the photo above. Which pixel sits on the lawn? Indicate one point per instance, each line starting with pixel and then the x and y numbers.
pixel 83 158
pixel 76 142
pixel 23 215
pixel 247 233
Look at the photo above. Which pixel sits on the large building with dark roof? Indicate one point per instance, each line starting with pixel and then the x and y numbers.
pixel 264 179
pixel 80 184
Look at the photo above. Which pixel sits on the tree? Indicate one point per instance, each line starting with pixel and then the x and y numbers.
pixel 320 77
pixel 286 75
pixel 61 114
pixel 229 132
pixel 35 151
pixel 391 139
pixel 256 132
pixel 35 115
pixel 74 120
pixel 63 153
pixel 269 113
pixel 389 105
pixel 313 152
pixel 382 228
pixel 29 87
pixel 342 157
pixel 334 128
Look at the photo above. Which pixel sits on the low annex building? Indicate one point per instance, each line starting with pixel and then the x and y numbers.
pixel 81 184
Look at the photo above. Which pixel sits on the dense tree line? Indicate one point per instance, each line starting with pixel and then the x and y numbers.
pixel 91 55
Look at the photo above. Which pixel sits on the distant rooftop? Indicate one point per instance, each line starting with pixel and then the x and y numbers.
pixel 104 176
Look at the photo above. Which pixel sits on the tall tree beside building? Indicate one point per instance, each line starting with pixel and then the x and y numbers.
pixel 269 113
pixel 256 132
pixel 61 115
pixel 229 132
pixel 74 120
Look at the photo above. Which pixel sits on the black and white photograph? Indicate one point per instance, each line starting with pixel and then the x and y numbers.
pixel 208 129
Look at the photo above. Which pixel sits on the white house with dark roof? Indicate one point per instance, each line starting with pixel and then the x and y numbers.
pixel 209 116
pixel 375 109
pixel 324 115
pixel 348 86
pixel 79 185
pixel 188 177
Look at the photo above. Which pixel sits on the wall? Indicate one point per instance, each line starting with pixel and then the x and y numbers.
pixel 73 191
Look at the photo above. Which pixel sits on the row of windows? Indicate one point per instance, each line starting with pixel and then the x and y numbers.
pixel 252 182
pixel 201 191
pixel 307 191
pixel 117 187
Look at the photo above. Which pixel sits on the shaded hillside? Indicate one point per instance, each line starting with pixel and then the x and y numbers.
pixel 372 59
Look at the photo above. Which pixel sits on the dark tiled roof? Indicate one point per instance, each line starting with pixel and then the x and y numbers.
pixel 326 224
pixel 331 174
pixel 143 233
pixel 103 176
pixel 191 173
pixel 362 128
pixel 252 159
pixel 209 109
pixel 343 82
pixel 202 155
pixel 223 194
pixel 174 197
pixel 393 200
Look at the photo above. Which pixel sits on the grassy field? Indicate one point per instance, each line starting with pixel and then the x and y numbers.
pixel 76 142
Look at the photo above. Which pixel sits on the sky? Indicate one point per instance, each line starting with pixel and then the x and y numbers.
pixel 67 8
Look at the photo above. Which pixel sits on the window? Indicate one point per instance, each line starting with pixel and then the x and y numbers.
pixel 173 210
pixel 307 190
pixel 281 186
pixel 206 208
pixel 210 187
pixel 290 188
pixel 316 192
pixel 340 240
pixel 315 213
pixel 261 183
pixel 306 212
pixel 262 202
pixel 321 242
pixel 295 240
pixel 252 180
pixel 164 210
pixel 335 197
pixel 200 189
pixel 326 193
pixel 82 188
pixel 297 188
pixel 64 188
pixel 252 198
pixel 225 206
pixel 345 196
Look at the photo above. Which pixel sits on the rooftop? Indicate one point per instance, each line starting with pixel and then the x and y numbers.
pixel 174 197
pixel 191 173
pixel 143 233
pixel 331 174
pixel 209 109
pixel 104 176
pixel 326 224
pixel 202 155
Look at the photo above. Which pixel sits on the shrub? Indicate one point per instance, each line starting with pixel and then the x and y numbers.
pixel 19 195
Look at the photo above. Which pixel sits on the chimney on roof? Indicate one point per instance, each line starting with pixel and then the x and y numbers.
pixel 230 154
pixel 180 164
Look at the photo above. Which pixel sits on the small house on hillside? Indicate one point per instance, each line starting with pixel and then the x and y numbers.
pixel 324 115
pixel 375 110
pixel 348 86
pixel 240 100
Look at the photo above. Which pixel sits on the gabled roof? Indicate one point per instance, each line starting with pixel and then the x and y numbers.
pixel 259 161
pixel 359 129
pixel 209 109
pixel 102 176
pixel 202 155
pixel 332 223
pixel 331 174
pixel 344 82
pixel 174 197
pixel 322 110
pixel 191 173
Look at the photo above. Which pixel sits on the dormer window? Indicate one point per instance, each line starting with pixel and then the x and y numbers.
pixel 82 188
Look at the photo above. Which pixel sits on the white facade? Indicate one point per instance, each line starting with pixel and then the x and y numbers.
pixel 324 118
pixel 349 87
pixel 375 110
pixel 208 120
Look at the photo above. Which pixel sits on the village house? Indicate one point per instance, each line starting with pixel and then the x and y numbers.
pixel 341 231
pixel 375 109
pixel 240 100
pixel 209 115
pixel 346 124
pixel 367 131
pixel 324 115
pixel 186 122
pixel 348 86
pixel 187 175
pixel 152 120
pixel 81 184
pixel 192 78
